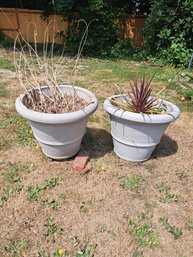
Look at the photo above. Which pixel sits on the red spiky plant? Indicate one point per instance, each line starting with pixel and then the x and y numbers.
pixel 140 99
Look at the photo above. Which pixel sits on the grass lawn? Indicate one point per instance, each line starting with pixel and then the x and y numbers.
pixel 113 209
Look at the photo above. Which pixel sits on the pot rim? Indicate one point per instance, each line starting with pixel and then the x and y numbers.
pixel 58 118
pixel 142 118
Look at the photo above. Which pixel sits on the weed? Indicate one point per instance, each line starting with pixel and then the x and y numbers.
pixel 63 196
pixel 34 192
pixel 28 168
pixel 3 91
pixel 53 203
pixel 103 228
pixel 16 247
pixel 169 198
pixel 176 232
pixel 181 174
pixel 14 179
pixel 101 98
pixel 60 253
pixel 94 118
pixel 42 253
pixel 13 175
pixel 52 230
pixel 3 200
pixel 141 216
pixel 150 167
pixel 189 223
pixel 76 240
pixel 148 206
pixel 163 188
pixel 86 206
pixel 107 124
pixel 132 183
pixel 87 251
pixel 143 234
pixel 52 182
pixel 21 128
pixel 23 136
pixel 137 254
pixel 4 144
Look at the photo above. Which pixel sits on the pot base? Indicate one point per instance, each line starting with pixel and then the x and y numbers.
pixel 61 158
pixel 132 153
pixel 60 153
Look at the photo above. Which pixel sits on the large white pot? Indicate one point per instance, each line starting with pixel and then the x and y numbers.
pixel 59 135
pixel 136 135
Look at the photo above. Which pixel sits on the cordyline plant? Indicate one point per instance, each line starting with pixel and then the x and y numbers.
pixel 140 99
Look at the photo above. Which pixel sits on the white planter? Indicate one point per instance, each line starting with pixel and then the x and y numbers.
pixel 59 135
pixel 135 135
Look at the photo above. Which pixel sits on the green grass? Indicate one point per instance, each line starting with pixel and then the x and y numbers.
pixel 7 64
pixel 123 70
pixel 94 118
pixel 10 119
pixel 3 91
pixel 20 128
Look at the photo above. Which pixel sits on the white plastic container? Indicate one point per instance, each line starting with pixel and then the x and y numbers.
pixel 136 135
pixel 59 135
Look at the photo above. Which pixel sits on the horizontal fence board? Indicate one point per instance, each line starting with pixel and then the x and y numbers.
pixel 34 28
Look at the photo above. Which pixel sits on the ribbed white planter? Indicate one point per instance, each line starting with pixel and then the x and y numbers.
pixel 135 135
pixel 59 135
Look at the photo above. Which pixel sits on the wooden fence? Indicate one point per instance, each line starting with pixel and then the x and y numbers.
pixel 32 25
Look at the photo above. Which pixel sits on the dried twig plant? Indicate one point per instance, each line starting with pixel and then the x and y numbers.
pixel 36 71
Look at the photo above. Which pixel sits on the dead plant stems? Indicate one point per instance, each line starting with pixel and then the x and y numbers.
pixel 35 71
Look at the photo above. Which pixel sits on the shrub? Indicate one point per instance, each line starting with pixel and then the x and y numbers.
pixel 168 29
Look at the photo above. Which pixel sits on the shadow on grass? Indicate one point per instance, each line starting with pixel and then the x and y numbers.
pixel 165 148
pixel 97 142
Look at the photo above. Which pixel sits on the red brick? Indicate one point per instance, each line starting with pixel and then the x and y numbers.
pixel 80 161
